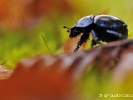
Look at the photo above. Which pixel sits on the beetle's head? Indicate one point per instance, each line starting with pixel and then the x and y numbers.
pixel 74 31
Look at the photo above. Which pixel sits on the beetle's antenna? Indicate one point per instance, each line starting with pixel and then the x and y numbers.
pixel 68 29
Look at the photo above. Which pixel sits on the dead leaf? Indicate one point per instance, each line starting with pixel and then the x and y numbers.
pixel 54 77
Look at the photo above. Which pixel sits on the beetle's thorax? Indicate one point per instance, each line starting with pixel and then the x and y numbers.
pixel 85 21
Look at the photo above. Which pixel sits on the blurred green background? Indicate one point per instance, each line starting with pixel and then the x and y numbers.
pixel 23 22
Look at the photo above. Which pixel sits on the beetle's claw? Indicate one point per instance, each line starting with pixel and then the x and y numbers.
pixel 75 50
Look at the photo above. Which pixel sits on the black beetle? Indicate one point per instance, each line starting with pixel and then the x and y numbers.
pixel 105 28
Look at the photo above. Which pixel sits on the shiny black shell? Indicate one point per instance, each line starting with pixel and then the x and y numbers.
pixel 102 23
pixel 103 28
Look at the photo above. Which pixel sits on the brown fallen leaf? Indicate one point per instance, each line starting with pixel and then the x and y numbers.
pixel 36 84
pixel 125 65
pixel 48 77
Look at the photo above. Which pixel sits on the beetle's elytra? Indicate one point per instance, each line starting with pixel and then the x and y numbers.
pixel 103 28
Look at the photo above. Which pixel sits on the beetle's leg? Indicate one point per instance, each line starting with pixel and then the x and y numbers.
pixel 95 38
pixel 93 43
pixel 83 39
